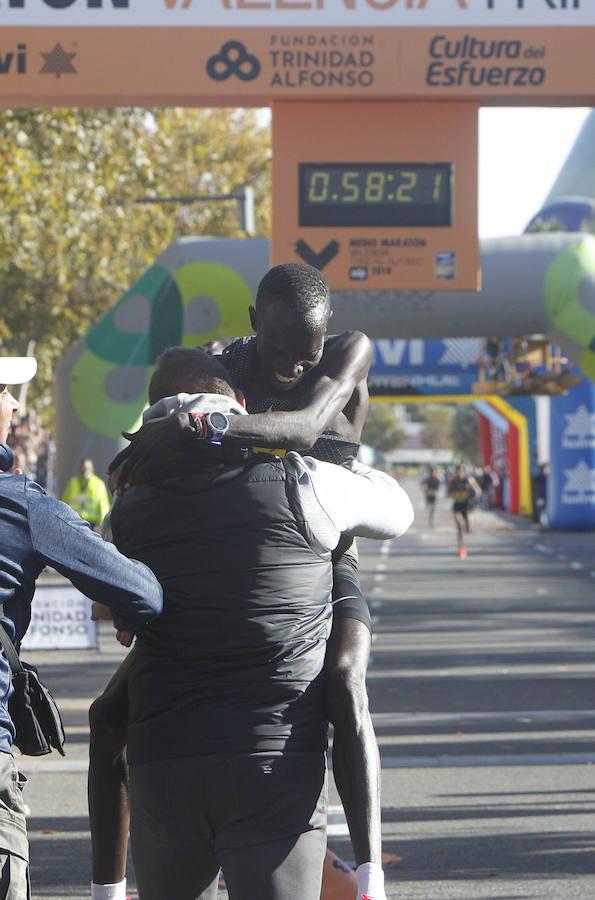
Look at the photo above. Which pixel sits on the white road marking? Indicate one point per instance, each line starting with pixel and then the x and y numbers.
pixel 337 823
pixel 524 715
pixel 513 759
pixel 543 549
pixel 52 765
pixel 576 565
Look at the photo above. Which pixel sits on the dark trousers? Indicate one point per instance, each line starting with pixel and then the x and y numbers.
pixel 262 817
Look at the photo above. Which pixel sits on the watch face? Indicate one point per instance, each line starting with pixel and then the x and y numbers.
pixel 218 421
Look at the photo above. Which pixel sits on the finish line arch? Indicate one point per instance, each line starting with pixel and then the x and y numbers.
pixel 381 208
pixel 199 289
pixel 519 449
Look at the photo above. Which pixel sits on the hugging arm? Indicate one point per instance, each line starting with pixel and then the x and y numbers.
pixel 360 501
pixel 344 366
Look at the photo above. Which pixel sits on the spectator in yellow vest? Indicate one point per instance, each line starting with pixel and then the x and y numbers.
pixel 87 495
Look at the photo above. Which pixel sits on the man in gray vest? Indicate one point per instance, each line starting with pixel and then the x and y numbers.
pixel 227 730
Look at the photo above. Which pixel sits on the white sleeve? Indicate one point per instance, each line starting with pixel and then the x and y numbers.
pixel 362 501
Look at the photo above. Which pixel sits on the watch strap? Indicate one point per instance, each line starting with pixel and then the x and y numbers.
pixel 197 420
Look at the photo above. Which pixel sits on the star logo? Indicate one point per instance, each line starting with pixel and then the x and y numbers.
pixel 58 62
pixel 581 479
pixel 580 428
pixel 462 352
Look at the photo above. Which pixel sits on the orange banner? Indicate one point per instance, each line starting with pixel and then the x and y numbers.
pixel 378 196
pixel 254 66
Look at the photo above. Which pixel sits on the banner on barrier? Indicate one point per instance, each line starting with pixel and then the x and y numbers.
pixel 408 368
pixel 571 487
pixel 60 620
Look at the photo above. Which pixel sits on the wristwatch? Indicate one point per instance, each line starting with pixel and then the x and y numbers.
pixel 210 426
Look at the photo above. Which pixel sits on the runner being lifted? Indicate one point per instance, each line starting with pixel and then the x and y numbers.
pixel 303 391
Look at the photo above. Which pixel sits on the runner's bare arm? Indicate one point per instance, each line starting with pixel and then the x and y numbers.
pixel 344 366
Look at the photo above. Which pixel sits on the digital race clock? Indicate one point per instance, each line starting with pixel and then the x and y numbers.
pixel 376 195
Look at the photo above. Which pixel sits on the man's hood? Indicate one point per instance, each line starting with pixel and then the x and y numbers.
pixel 197 403
pixel 166 445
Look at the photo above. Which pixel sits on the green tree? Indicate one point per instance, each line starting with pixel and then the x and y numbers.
pixel 73 238
pixel 465 433
pixel 415 412
pixel 382 431
pixel 437 430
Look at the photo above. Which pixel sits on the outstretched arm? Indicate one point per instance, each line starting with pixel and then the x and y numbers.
pixel 96 568
pixel 344 366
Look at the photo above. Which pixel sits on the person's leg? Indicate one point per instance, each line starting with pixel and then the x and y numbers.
pixel 270 824
pixel 14 848
pixel 356 761
pixel 338 879
pixel 462 524
pixel 172 845
pixel 14 877
pixel 286 869
pixel 107 784
pixel 459 527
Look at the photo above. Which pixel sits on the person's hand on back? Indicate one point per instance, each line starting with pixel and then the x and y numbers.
pixel 102 613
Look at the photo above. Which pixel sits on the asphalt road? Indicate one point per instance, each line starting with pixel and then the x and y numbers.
pixel 481 685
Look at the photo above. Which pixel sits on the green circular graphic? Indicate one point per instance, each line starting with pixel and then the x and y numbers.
pixel 571 319
pixel 199 302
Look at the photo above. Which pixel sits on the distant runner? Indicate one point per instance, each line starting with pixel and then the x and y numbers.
pixel 463 489
pixel 488 480
pixel 431 486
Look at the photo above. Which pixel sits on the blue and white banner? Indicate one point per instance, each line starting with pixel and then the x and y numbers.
pixel 571 483
pixel 405 368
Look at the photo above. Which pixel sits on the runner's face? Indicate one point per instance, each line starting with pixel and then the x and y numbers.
pixel 287 348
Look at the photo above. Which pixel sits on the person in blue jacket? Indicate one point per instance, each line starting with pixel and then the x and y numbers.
pixel 36 531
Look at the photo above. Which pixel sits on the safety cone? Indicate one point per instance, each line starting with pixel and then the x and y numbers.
pixel 338 879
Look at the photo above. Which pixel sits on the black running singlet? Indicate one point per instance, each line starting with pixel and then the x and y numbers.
pixel 241 361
